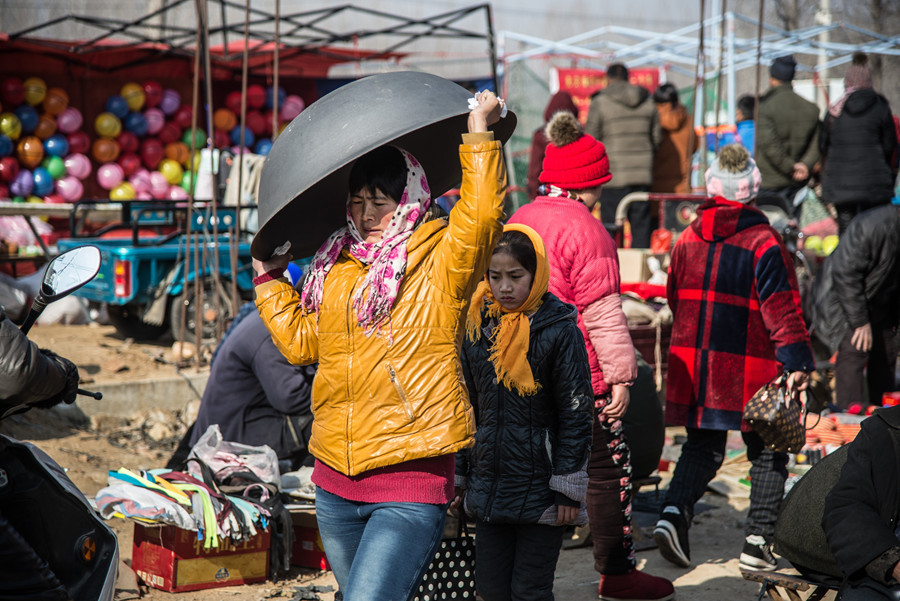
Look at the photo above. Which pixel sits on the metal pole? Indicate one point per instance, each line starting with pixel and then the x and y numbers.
pixel 759 30
pixel 275 75
pixel 721 51
pixel 823 17
pixel 732 84
pixel 700 103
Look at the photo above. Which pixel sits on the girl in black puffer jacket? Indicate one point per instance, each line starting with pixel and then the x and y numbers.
pixel 528 377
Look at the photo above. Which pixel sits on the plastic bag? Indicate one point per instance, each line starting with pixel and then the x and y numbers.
pixel 225 458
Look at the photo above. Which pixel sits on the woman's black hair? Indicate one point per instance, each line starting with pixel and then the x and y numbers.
pixel 518 245
pixel 747 104
pixel 381 169
pixel 666 93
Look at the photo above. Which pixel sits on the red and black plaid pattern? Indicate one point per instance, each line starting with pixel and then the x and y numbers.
pixel 738 321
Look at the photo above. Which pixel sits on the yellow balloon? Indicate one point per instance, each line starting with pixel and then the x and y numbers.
pixel 133 94
pixel 171 170
pixel 124 191
pixel 10 125
pixel 108 125
pixel 35 200
pixel 193 163
pixel 35 90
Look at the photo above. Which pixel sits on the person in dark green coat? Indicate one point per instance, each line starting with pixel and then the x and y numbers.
pixel 787 138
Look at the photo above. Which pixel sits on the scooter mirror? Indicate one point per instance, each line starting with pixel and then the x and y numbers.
pixel 65 274
pixel 70 271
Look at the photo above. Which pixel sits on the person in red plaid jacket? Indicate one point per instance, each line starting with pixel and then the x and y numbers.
pixel 738 324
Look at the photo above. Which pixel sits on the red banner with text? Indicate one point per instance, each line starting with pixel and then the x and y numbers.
pixel 582 83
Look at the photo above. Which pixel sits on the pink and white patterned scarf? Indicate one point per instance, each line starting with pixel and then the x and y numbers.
pixel 386 258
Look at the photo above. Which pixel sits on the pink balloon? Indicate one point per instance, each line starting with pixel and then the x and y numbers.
pixel 140 181
pixel 78 165
pixel 159 185
pixel 70 188
pixel 177 193
pixel 143 196
pixel 110 175
pixel 69 120
pixel 155 120
pixel 291 107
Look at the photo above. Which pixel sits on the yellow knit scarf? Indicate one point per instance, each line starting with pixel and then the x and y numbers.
pixel 510 338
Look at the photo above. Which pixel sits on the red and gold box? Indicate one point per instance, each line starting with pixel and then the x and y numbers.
pixel 174 560
pixel 307 550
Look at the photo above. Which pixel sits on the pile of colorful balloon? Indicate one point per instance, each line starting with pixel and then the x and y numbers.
pixel 259 118
pixel 42 145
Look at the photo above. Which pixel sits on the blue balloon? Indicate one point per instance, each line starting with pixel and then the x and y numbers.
pixel 6 146
pixel 270 96
pixel 43 182
pixel 136 123
pixel 263 146
pixel 249 138
pixel 28 117
pixel 56 145
pixel 117 105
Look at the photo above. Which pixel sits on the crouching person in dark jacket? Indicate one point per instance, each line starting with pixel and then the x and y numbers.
pixel 862 511
pixel 528 376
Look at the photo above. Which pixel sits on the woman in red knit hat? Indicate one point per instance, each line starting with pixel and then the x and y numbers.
pixel 584 271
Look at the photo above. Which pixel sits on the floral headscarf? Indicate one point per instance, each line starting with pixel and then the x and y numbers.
pixel 386 258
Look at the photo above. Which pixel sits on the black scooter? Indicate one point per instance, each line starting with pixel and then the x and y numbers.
pixel 44 507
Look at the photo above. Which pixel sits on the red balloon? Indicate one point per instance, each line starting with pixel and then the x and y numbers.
pixel 169 133
pixel 256 122
pixel 256 96
pixel 267 121
pixel 183 116
pixel 54 199
pixel 79 142
pixel 4 191
pixel 152 152
pixel 9 169
pixel 221 139
pixel 129 162
pixel 128 142
pixel 13 92
pixel 153 93
pixel 232 102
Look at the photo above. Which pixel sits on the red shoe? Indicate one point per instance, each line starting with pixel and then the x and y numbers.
pixel 635 586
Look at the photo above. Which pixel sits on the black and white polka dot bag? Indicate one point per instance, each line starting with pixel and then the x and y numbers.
pixel 451 574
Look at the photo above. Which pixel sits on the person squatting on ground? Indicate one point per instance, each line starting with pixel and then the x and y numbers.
pixel 787 134
pixel 526 476
pixel 382 311
pixel 854 309
pixel 737 325
pixel 584 271
pixel 857 142
pixel 862 511
pixel 624 118
pixel 29 377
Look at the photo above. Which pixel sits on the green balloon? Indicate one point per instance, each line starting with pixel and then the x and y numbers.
pixel 188 180
pixel 18 199
pixel 55 166
pixel 198 136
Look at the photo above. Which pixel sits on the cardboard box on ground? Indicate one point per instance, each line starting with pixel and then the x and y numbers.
pixel 633 265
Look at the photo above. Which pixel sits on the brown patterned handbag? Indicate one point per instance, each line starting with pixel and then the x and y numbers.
pixel 781 427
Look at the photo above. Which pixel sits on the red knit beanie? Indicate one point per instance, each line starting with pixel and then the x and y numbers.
pixel 573 160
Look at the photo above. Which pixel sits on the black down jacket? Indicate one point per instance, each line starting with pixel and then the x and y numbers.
pixel 859 282
pixel 858 148
pixel 26 374
pixel 521 442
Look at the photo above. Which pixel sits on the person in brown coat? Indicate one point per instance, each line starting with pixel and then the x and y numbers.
pixel 671 161
pixel 561 101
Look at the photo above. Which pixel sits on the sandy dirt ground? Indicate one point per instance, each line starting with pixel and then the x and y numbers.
pixel 89 450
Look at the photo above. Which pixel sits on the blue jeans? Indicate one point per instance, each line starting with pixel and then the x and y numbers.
pixel 378 550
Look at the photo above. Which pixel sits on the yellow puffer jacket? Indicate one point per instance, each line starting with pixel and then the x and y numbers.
pixel 377 404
